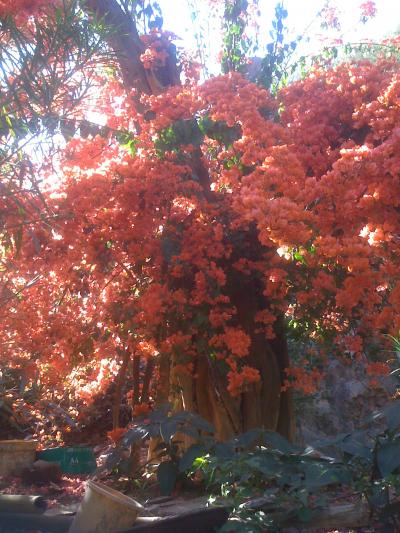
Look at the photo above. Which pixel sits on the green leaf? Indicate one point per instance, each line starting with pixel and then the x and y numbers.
pixel 219 131
pixel 390 510
pixel 191 454
pixel 200 319
pixel 223 451
pixel 378 497
pixel 324 443
pixel 355 444
pixel 168 429
pixel 305 514
pixel 388 458
pixel 247 439
pixel 199 423
pixel 184 131
pixel 266 464
pixel 392 414
pixel 134 435
pixel 167 474
pixel 300 258
pixel 190 432
pixel 277 442
pixel 321 475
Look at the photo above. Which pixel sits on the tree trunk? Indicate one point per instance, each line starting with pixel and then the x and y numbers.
pixel 147 378
pixel 118 388
pixel 264 404
pixel 261 405
pixel 136 380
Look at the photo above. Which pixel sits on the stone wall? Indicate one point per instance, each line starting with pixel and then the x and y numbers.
pixel 345 399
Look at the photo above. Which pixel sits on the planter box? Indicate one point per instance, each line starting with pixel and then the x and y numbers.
pixel 75 460
pixel 15 455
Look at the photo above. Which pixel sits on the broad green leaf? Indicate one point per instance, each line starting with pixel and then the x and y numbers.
pixel 247 439
pixel 266 464
pixel 379 496
pixel 199 423
pixel 355 444
pixel 167 474
pixel 191 454
pixel 322 475
pixel 388 458
pixel 305 514
pixel 134 435
pixel 223 451
pixel 277 442
pixel 168 429
pixel 325 443
pixel 392 414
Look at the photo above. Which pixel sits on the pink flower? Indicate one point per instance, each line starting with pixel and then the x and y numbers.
pixel 368 10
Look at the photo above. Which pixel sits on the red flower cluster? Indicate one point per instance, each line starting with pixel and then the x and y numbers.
pixel 23 9
pixel 116 434
pixel 368 10
pixel 300 206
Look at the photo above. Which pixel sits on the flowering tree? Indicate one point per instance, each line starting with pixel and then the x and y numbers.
pixel 205 223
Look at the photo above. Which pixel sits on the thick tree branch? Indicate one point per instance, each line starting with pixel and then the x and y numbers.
pixel 124 41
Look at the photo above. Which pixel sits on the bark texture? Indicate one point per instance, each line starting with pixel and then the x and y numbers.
pixel 118 389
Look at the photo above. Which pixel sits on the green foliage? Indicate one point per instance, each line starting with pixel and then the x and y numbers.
pixel 269 483
pixel 180 132
pixel 348 52
pixel 274 71
pixel 285 477
pixel 128 141
pixel 146 14
pixel 219 131
pixel 395 361
pixel 46 70
pixel 235 43
pixel 173 462
pixel 38 70
pixel 167 474
pixel 193 131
